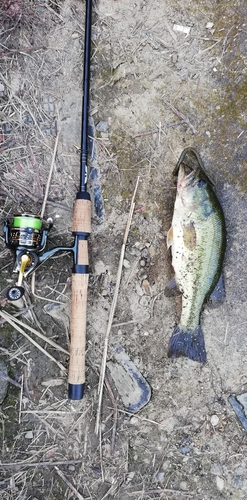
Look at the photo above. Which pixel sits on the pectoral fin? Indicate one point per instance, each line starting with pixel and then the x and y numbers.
pixel 189 236
pixel 170 237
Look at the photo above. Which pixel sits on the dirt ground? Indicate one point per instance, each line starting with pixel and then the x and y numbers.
pixel 165 75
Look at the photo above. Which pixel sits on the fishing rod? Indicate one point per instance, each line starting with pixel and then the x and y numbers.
pixel 26 235
pixel 81 229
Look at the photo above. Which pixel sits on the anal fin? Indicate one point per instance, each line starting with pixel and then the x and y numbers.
pixel 218 294
pixel 172 289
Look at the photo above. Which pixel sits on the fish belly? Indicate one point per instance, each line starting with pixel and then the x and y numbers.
pixel 195 259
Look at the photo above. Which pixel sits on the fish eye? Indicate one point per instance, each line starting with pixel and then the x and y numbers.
pixel 201 183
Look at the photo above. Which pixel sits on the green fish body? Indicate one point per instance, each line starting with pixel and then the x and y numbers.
pixel 197 239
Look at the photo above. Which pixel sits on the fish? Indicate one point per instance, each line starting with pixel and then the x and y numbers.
pixel 197 238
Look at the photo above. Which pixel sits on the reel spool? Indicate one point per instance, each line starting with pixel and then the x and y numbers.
pixel 25 231
pixel 27 237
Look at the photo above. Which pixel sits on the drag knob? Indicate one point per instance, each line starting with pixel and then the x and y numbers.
pixel 15 292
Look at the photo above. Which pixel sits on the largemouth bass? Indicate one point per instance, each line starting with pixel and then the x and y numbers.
pixel 198 239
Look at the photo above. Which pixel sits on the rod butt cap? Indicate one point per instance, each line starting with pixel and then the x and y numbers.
pixel 75 391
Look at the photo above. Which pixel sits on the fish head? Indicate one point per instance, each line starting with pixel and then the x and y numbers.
pixel 194 188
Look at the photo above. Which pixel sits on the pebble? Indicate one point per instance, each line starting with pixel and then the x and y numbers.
pixel 146 287
pixel 134 421
pixel 102 126
pixel 29 435
pixel 214 420
pixel 130 476
pixel 3 381
pixel 126 263
pixel 142 263
pixel 161 476
pixel 183 486
pixel 99 267
pixel 185 449
pixel 220 483
pixel 145 254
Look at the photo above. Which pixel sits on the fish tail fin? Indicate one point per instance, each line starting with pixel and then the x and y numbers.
pixel 188 343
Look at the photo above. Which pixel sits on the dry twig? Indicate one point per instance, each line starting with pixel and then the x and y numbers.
pixel 13 323
pixel 49 177
pixel 113 307
pixel 182 116
pixel 69 484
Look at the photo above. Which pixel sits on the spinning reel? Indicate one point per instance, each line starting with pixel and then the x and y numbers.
pixel 26 235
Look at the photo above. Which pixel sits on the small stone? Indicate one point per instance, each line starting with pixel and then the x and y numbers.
pixel 161 476
pixel 183 486
pixel 126 263
pixel 145 254
pixel 130 476
pixel 142 263
pixel 214 420
pixel 99 267
pixel 185 449
pixel 75 35
pixel 146 287
pixel 181 29
pixel 220 483
pixel 209 25
pixel 29 435
pixel 134 421
pixel 72 468
pixel 102 126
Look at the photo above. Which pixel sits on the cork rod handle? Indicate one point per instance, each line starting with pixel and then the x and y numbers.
pixel 81 228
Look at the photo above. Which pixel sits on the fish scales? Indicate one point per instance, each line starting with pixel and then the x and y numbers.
pixel 197 238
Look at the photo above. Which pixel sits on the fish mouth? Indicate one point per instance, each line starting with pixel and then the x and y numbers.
pixel 190 169
pixel 186 176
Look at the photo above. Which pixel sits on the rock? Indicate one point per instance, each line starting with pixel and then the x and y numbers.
pixel 185 449
pixel 183 486
pixel 102 126
pixel 99 267
pixel 29 435
pixel 220 483
pixel 134 421
pixel 161 476
pixel 3 381
pixel 214 420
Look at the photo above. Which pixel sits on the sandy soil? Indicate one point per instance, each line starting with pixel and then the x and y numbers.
pixel 156 89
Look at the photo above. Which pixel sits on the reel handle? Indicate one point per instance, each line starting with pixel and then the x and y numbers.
pixel 81 228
